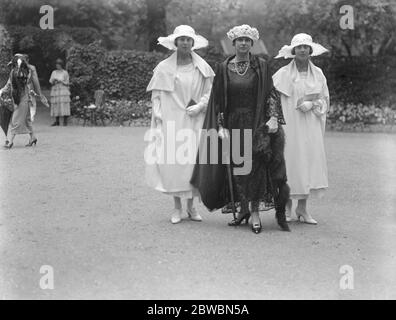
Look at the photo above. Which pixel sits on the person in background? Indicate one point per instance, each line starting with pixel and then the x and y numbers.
pixel 305 101
pixel 24 85
pixel 60 93
pixel 180 89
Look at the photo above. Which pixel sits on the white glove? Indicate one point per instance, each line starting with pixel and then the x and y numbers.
pixel 194 110
pixel 318 107
pixel 272 125
pixel 224 133
pixel 305 106
pixel 158 122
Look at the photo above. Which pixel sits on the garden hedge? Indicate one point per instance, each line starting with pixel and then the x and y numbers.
pixel 121 74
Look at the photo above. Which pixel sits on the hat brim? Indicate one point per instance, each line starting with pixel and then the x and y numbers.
pixel 286 51
pixel 245 36
pixel 169 41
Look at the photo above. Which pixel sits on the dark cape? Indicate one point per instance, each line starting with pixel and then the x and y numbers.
pixel 211 179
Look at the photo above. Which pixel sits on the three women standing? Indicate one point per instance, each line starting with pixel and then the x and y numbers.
pixel 305 100
pixel 60 93
pixel 180 89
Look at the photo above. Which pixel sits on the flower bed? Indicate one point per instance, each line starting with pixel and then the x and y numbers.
pixel 341 117
pixel 113 112
pixel 351 117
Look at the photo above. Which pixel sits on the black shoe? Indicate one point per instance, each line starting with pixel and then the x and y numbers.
pixel 33 142
pixel 238 221
pixel 55 124
pixel 9 146
pixel 256 227
pixel 6 143
pixel 284 226
pixel 281 218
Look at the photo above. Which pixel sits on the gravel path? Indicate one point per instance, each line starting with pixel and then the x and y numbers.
pixel 78 202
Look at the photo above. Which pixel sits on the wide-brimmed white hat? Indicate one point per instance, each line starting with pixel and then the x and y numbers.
pixel 183 31
pixel 298 40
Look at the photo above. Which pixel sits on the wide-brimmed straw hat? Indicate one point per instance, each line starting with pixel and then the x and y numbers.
pixel 183 31
pixel 298 40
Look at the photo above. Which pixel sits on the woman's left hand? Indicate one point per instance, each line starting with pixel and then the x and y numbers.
pixel 272 125
pixel 193 110
pixel 305 106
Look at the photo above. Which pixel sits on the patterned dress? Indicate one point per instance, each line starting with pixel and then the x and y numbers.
pixel 60 94
pixel 241 109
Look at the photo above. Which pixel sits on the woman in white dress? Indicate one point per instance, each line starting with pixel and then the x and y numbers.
pixel 305 101
pixel 180 87
pixel 60 93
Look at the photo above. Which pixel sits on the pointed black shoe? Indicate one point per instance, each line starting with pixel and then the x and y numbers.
pixel 238 221
pixel 33 142
pixel 281 218
pixel 256 228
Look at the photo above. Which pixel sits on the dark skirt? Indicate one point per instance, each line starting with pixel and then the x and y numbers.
pixel 255 186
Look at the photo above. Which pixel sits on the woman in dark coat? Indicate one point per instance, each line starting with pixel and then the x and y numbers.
pixel 243 97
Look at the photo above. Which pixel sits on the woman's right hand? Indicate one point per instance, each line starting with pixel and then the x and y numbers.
pixel 224 133
pixel 305 106
pixel 158 122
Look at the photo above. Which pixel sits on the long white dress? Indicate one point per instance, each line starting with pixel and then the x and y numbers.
pixel 176 150
pixel 305 155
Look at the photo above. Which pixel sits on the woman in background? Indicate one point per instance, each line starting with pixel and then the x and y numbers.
pixel 60 93
pixel 24 85
pixel 305 101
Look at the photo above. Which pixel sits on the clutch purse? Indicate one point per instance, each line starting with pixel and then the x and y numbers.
pixel 307 97
pixel 191 103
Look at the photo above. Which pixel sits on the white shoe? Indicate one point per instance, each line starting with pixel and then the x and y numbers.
pixel 305 217
pixel 194 215
pixel 176 216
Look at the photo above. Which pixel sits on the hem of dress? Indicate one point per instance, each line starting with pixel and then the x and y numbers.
pixel 317 193
pixel 187 194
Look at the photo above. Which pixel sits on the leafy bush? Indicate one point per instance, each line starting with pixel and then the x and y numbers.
pixel 45 46
pixel 353 116
pixel 5 55
pixel 121 74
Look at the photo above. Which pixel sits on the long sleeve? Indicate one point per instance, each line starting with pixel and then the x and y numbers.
pixel 52 78
pixel 156 100
pixel 35 81
pixel 203 102
pixel 321 105
pixel 275 106
pixel 66 78
pixel 7 85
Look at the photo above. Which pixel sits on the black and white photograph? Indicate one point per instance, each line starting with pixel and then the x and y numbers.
pixel 216 152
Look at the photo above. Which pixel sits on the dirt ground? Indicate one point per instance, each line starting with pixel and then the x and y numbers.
pixel 78 203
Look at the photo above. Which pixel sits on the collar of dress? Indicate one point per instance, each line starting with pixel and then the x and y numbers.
pixel 286 76
pixel 165 73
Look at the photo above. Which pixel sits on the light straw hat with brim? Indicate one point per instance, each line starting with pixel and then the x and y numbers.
pixel 183 31
pixel 298 40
